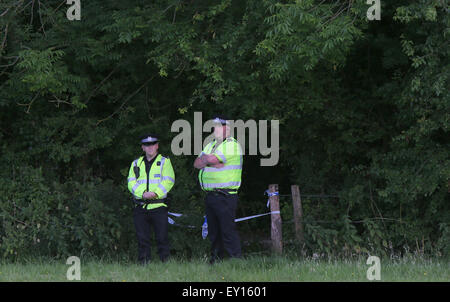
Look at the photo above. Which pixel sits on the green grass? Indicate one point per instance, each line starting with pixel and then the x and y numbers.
pixel 250 269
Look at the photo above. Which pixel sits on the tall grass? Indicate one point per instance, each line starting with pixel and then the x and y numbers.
pixel 266 269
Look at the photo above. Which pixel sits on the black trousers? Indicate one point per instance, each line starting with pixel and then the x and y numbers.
pixel 222 232
pixel 143 221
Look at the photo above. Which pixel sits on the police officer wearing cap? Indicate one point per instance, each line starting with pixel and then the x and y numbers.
pixel 150 178
pixel 220 165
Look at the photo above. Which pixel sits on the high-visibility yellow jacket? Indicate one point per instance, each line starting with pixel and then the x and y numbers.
pixel 229 153
pixel 160 179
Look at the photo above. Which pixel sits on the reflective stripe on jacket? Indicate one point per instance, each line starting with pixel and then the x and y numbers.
pixel 161 179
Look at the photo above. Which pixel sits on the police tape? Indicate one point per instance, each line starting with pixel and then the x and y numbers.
pixel 205 223
pixel 255 216
pixel 171 221
pixel 270 194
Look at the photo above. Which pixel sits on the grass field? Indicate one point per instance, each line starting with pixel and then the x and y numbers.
pixel 264 269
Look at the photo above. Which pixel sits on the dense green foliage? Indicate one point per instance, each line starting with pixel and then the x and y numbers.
pixel 363 109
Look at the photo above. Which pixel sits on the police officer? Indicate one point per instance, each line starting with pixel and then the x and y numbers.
pixel 150 178
pixel 220 165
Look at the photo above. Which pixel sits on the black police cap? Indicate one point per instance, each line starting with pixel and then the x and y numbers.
pixel 221 119
pixel 149 139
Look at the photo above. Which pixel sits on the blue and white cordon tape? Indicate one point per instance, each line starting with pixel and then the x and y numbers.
pixel 270 194
pixel 205 223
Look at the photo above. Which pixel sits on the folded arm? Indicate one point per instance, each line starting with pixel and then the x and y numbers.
pixel 209 160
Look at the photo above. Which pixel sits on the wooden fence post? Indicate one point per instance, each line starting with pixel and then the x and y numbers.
pixel 298 213
pixel 276 235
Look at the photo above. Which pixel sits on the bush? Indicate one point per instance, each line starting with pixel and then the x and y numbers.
pixel 62 219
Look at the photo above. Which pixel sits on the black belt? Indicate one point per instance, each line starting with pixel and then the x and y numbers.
pixel 223 191
pixel 145 203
